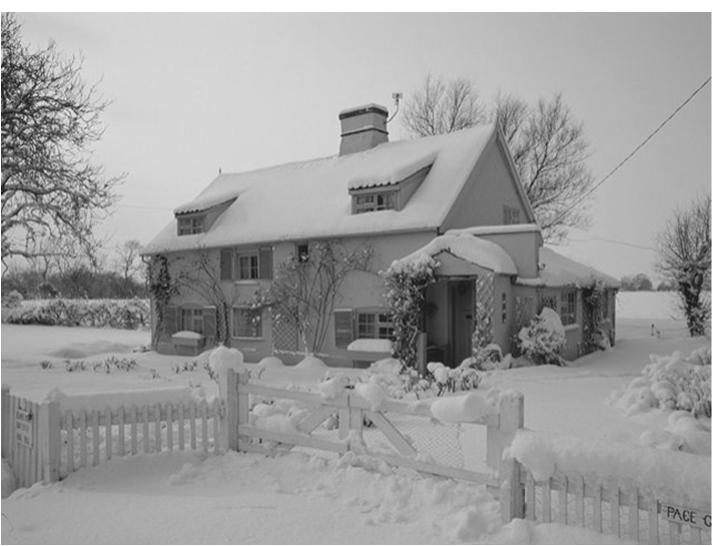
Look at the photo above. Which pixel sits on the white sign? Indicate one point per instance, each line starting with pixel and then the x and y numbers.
pixel 688 516
pixel 23 427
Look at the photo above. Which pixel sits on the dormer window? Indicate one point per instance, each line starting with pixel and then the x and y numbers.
pixel 190 225
pixel 376 200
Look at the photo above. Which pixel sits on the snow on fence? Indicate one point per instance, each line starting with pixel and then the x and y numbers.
pixel 643 495
pixel 47 442
pixel 387 429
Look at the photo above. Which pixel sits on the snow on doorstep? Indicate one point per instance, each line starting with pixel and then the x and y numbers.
pixel 462 409
pixel 114 400
pixel 475 250
pixel 371 345
pixel 387 172
pixel 558 270
pixel 187 334
pixel 672 476
pixel 293 195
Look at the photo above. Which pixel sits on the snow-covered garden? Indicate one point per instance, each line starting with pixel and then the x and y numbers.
pixel 620 396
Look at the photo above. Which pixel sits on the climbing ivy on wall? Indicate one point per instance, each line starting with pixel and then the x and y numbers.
pixel 406 284
pixel 593 297
pixel 162 289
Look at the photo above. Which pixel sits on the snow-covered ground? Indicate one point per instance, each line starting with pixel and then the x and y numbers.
pixel 187 498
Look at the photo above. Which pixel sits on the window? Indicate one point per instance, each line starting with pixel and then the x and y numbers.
pixel 549 300
pixel 385 200
pixel 568 310
pixel 303 252
pixel 511 215
pixel 374 325
pixel 190 225
pixel 247 322
pixel 504 307
pixel 248 266
pixel 192 319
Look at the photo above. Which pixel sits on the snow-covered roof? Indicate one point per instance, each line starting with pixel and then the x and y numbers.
pixel 481 252
pixel 198 205
pixel 558 270
pixel 493 230
pixel 310 199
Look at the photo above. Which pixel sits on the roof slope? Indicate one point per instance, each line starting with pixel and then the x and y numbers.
pixel 558 270
pixel 311 199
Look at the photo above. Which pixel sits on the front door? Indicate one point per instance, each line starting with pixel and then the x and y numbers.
pixel 461 304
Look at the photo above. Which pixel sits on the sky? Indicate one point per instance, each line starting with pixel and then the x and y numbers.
pixel 195 93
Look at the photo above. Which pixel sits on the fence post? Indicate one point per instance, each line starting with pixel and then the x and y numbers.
pixel 6 420
pixel 231 410
pixel 50 440
pixel 511 413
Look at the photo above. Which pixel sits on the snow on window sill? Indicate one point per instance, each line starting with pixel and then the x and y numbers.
pixel 243 338
pixel 247 281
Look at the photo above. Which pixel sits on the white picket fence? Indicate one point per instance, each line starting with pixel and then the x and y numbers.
pixel 629 511
pixel 62 441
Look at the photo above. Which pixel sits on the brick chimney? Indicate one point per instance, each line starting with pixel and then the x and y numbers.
pixel 363 128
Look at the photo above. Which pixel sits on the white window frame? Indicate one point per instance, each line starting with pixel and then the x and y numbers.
pixel 253 266
pixel 382 326
pixel 194 323
pixel 568 307
pixel 375 200
pixel 191 225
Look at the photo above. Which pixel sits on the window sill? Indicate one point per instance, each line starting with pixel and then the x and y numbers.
pixel 247 281
pixel 241 338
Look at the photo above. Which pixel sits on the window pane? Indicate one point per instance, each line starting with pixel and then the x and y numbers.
pixel 246 323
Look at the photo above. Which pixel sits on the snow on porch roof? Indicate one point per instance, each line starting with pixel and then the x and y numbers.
pixel 557 270
pixel 470 248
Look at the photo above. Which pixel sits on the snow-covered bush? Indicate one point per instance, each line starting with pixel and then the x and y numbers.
pixel 463 378
pixel 488 358
pixel 542 339
pixel 126 314
pixel 397 380
pixel 12 299
pixel 673 382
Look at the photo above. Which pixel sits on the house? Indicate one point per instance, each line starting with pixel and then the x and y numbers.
pixel 456 197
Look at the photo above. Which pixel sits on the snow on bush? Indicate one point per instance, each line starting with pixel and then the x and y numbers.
pixel 310 362
pixel 126 314
pixel 372 392
pixel 12 300
pixel 462 378
pixel 543 338
pixel 672 476
pixel 489 357
pixel 670 382
pixel 398 381
pixel 8 479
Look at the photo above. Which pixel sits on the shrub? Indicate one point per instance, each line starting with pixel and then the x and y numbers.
pixel 463 378
pixel 45 364
pixel 12 300
pixel 124 314
pixel 543 338
pixel 672 382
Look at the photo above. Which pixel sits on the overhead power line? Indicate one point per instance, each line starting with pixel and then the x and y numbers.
pixel 613 241
pixel 635 150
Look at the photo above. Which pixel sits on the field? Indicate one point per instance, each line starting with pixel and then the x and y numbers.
pixel 299 498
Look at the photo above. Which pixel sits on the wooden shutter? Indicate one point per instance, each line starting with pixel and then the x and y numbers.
pixel 209 322
pixel 170 319
pixel 343 327
pixel 266 262
pixel 226 264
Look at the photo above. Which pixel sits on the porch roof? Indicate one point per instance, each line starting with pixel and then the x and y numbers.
pixel 472 249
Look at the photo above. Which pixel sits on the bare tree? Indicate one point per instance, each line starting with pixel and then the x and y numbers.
pixel 442 107
pixel 128 260
pixel 50 187
pixel 305 288
pixel 684 251
pixel 546 142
